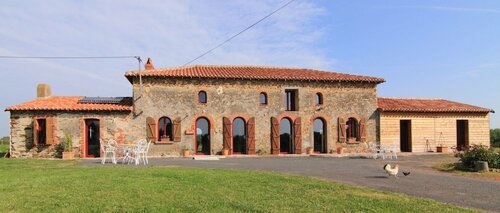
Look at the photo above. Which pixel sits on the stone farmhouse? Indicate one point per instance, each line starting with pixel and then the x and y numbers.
pixel 247 110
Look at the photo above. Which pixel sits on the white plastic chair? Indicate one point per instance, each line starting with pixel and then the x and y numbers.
pixel 108 148
pixel 392 150
pixel 141 151
pixel 376 150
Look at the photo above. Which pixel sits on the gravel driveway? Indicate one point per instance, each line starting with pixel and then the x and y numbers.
pixel 422 182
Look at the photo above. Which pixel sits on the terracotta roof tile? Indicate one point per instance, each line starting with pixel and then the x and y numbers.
pixel 70 103
pixel 426 105
pixel 253 72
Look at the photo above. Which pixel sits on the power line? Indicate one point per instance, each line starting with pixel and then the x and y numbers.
pixel 67 57
pixel 242 31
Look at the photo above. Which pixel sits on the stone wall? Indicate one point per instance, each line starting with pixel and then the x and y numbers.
pixel 112 125
pixel 177 98
pixel 434 128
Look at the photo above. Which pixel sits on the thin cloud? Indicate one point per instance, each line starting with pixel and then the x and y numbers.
pixel 464 9
pixel 446 8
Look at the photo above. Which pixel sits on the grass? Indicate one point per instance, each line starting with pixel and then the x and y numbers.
pixel 62 186
pixel 457 169
pixel 4 148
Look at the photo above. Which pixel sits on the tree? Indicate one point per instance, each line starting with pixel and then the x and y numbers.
pixel 4 140
pixel 495 137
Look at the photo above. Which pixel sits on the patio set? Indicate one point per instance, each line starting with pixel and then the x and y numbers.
pixel 135 153
pixel 386 151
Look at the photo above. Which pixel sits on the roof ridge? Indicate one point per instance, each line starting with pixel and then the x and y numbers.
pixel 410 98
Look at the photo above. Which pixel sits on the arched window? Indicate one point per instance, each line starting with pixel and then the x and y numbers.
pixel 203 136
pixel 286 135
pixel 319 98
pixel 165 129
pixel 239 136
pixel 352 129
pixel 319 135
pixel 263 98
pixel 202 97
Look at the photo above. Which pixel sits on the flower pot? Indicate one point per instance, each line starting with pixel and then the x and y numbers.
pixel 185 153
pixel 351 140
pixel 340 150
pixel 309 151
pixel 68 155
pixel 165 140
pixel 225 152
pixel 442 149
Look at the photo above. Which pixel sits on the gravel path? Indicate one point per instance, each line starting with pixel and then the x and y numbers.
pixel 422 182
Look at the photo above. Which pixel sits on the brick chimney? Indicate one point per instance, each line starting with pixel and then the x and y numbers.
pixel 149 65
pixel 43 91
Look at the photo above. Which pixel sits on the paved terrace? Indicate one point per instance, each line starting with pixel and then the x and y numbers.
pixel 422 182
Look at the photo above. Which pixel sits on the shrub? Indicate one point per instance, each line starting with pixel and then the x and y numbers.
pixel 479 153
pixel 68 142
pixel 58 150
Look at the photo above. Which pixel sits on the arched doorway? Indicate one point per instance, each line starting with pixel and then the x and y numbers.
pixel 319 136
pixel 286 135
pixel 202 145
pixel 239 136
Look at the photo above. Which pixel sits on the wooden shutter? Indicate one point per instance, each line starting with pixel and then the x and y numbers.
pixel 151 129
pixel 49 130
pixel 362 129
pixel 297 133
pixel 35 131
pixel 251 136
pixel 275 136
pixel 227 133
pixel 342 133
pixel 177 130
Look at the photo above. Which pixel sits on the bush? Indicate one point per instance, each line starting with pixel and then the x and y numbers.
pixel 59 148
pixel 479 153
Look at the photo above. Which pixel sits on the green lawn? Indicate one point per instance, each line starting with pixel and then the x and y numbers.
pixel 61 186
pixel 4 148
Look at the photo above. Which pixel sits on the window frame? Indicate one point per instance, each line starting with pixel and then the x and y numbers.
pixel 168 137
pixel 352 123
pixel 291 101
pixel 41 132
pixel 199 98
pixel 266 100
pixel 318 99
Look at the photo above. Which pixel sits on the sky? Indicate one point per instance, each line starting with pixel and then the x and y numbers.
pixel 424 49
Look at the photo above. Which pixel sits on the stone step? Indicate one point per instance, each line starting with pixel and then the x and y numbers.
pixel 201 157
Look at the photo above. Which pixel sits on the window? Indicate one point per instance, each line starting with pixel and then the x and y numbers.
pixel 286 136
pixel 291 100
pixel 352 129
pixel 202 97
pixel 165 129
pixel 319 98
pixel 239 136
pixel 202 136
pixel 319 135
pixel 41 131
pixel 263 98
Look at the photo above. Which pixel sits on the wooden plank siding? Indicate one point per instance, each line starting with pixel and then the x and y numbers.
pixel 437 128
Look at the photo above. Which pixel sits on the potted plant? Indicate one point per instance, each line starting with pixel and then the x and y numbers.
pixel 442 148
pixel 225 152
pixel 186 152
pixel 340 150
pixel 68 147
pixel 351 139
pixel 309 150
pixel 165 139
